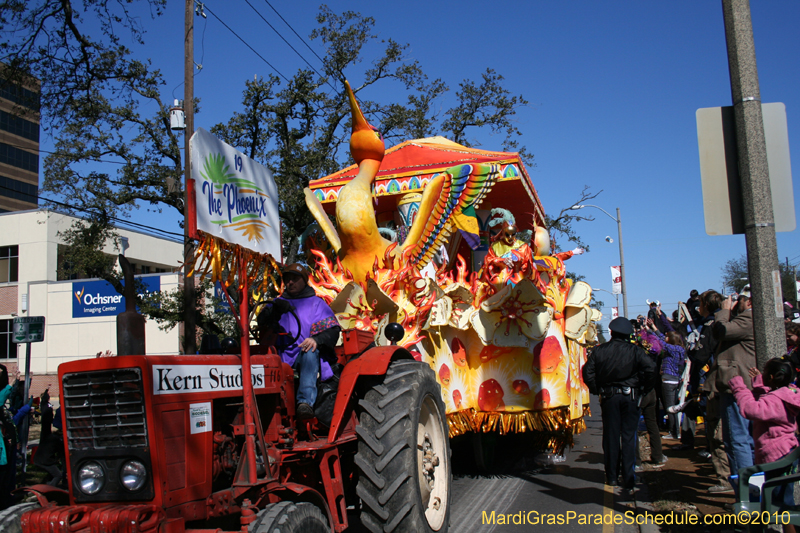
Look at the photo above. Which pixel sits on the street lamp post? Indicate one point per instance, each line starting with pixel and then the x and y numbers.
pixel 618 220
pixel 609 292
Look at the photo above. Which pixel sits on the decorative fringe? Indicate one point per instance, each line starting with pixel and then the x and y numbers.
pixel 551 421
pixel 221 258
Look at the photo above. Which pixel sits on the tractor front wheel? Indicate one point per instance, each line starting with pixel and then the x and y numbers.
pixel 290 517
pixel 10 518
pixel 404 452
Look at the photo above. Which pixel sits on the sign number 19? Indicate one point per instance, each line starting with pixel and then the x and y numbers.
pixel 237 161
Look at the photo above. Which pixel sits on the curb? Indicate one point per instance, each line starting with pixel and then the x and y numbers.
pixel 645 505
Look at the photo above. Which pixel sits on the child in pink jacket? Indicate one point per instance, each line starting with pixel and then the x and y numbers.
pixel 772 404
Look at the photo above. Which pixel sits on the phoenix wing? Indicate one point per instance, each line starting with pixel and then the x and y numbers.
pixel 322 219
pixel 447 195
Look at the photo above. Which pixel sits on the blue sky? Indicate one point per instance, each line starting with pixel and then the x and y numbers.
pixel 613 90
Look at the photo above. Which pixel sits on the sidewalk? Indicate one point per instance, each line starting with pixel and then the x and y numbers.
pixel 681 485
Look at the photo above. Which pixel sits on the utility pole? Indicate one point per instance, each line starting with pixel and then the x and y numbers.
pixel 190 300
pixel 622 267
pixel 762 249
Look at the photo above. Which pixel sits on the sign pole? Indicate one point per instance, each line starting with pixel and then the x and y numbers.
pixel 762 249
pixel 27 329
pixel 26 421
pixel 247 381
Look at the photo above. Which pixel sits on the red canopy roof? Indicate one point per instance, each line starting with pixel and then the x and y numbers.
pixel 424 158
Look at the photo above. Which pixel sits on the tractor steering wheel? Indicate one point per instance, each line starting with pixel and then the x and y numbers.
pixel 275 309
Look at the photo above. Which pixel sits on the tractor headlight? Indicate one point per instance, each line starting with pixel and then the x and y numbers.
pixel 91 478
pixel 133 475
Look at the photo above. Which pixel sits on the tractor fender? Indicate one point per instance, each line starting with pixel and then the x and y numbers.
pixel 373 362
pixel 46 494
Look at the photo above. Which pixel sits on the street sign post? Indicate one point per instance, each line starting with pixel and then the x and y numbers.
pixel 27 329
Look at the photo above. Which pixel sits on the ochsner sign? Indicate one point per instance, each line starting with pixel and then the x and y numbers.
pixel 100 298
pixel 236 199
pixel 186 379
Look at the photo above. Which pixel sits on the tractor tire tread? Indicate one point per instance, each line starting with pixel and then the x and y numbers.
pixel 398 375
pixel 373 411
pixel 389 424
pixel 370 501
pixel 370 441
pixel 386 459
pixel 398 517
pixel 392 396
pixel 10 517
pixel 370 472
pixel 291 517
pixel 386 494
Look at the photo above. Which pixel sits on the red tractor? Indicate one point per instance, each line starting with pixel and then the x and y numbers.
pixel 210 443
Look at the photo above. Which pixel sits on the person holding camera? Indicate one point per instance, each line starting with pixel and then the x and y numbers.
pixel 621 373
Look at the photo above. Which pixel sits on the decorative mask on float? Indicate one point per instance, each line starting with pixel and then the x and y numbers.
pixel 509 234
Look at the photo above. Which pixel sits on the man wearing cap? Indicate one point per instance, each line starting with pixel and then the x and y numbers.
pixel 621 373
pixel 736 354
pixel 319 329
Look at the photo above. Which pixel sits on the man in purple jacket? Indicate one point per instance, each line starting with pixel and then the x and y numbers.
pixel 319 330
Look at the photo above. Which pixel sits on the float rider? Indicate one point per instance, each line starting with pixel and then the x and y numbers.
pixel 319 332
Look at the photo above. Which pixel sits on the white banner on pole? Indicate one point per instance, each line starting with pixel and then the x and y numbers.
pixel 614 313
pixel 236 197
pixel 616 280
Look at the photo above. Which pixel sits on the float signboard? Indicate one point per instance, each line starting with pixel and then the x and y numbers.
pixel 235 198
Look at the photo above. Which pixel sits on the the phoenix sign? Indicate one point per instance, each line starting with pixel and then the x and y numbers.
pixel 236 199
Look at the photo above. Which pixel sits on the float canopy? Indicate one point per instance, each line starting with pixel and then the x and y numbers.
pixel 410 165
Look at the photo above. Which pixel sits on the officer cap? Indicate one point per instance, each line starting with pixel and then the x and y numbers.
pixel 621 325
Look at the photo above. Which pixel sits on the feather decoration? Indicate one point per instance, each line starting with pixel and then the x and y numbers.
pixel 447 195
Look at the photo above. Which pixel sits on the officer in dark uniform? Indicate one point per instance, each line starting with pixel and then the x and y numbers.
pixel 621 373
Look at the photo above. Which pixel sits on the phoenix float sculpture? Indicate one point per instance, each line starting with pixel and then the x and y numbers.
pixel 506 339
pixel 356 239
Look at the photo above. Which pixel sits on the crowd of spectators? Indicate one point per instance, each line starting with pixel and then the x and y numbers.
pixel 16 414
pixel 706 358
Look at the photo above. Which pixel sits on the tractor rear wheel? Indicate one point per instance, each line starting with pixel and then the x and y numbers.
pixel 10 518
pixel 404 452
pixel 290 517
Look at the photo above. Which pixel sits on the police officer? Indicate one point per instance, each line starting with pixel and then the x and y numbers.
pixel 621 373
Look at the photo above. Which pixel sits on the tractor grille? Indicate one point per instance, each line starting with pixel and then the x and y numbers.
pixel 105 409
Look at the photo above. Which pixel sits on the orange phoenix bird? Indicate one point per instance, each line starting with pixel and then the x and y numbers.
pixel 358 242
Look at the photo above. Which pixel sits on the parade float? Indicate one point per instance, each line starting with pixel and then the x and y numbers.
pixel 449 241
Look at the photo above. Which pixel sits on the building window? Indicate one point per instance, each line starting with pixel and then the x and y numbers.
pixel 19 126
pixel 19 190
pixel 20 95
pixel 8 350
pixel 11 155
pixel 9 263
pixel 145 269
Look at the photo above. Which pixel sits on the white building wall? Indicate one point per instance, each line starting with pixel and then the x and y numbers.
pixel 68 338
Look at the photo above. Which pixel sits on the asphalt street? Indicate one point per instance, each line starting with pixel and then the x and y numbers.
pixel 560 497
